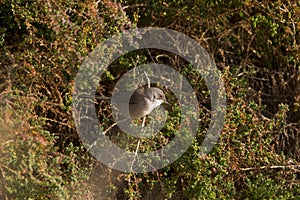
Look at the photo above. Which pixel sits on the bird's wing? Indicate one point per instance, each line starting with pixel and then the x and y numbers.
pixel 137 97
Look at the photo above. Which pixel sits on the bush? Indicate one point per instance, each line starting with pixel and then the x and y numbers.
pixel 255 46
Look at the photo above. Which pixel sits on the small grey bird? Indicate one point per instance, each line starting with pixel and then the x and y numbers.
pixel 141 103
pixel 144 100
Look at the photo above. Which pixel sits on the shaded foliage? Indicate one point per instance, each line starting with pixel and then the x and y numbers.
pixel 255 46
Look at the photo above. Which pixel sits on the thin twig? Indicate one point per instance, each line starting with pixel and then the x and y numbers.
pixel 272 167
pixel 137 146
pixel 104 132
pixel 148 79
pixel 143 125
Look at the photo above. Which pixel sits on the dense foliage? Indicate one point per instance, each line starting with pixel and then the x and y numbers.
pixel 255 45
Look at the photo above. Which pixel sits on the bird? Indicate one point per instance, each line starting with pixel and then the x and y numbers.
pixel 144 100
pixel 141 103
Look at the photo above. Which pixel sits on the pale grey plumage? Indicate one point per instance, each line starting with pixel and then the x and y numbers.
pixel 141 103
pixel 144 100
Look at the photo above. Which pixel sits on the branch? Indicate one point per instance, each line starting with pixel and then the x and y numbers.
pixel 294 167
